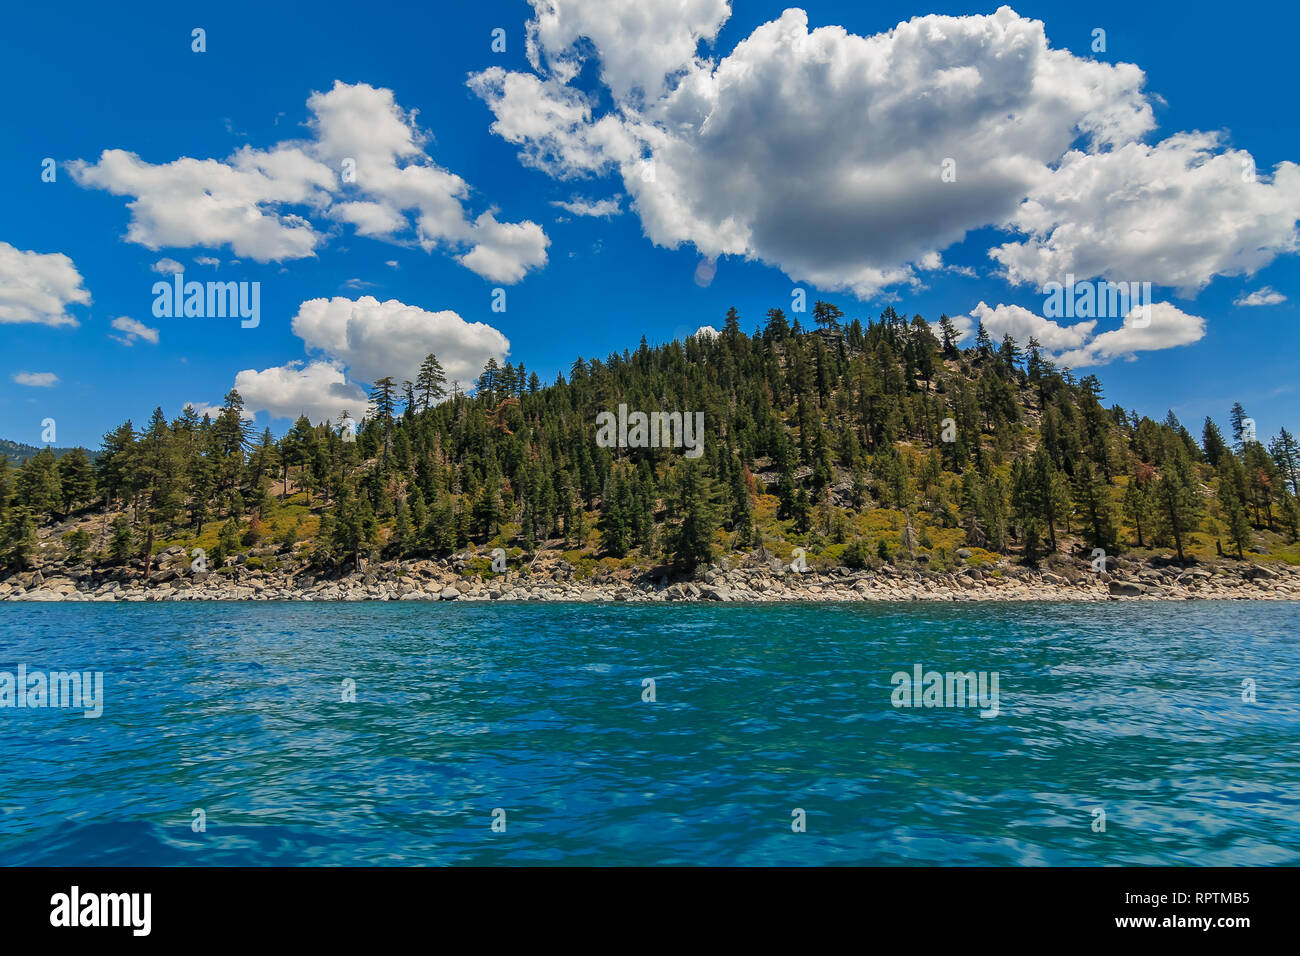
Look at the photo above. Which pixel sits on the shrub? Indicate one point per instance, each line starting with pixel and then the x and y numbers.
pixel 77 543
pixel 119 547
pixel 857 555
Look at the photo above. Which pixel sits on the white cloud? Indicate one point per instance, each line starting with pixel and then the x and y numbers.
pixel 1265 296
pixel 1021 324
pixel 1077 345
pixel 132 330
pixel 365 166
pixel 600 208
pixel 1174 214
pixel 204 408
pixel 373 339
pixel 39 287
pixel 552 124
pixel 193 202
pixel 207 261
pixel 819 152
pixel 640 43
pixel 167 267
pixel 319 390
pixel 505 251
pixel 36 379
pixel 1166 327
pixel 361 340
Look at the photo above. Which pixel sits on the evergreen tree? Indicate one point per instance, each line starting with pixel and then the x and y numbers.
pixel 1177 505
pixel 1232 498
pixel 431 382
pixel 1286 453
pixel 1212 442
pixel 76 480
pixel 1092 497
pixel 691 540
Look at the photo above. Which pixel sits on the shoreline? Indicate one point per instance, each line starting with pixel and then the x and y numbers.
pixel 750 582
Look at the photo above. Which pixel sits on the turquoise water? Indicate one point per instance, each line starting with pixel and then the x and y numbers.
pixel 237 709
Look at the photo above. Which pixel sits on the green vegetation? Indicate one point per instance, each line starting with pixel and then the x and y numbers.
pixel 858 444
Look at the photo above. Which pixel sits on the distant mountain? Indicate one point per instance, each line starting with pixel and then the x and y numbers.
pixel 17 452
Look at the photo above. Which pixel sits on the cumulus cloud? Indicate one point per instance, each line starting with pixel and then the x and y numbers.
pixel 1078 345
pixel 211 203
pixel 1175 214
pixel 553 124
pixel 132 331
pixel 752 155
pixel 212 411
pixel 39 287
pixel 597 208
pixel 1265 296
pixel 36 379
pixel 1166 327
pixel 639 44
pixel 167 267
pixel 824 153
pixel 319 390
pixel 1022 324
pixel 366 166
pixel 504 251
pixel 362 340
pixel 373 339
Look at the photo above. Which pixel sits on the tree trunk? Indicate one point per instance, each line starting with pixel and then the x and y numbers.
pixel 148 551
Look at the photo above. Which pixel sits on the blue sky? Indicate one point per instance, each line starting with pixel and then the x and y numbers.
pixel 86 79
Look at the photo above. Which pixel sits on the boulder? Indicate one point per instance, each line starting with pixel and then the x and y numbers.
pixel 1125 589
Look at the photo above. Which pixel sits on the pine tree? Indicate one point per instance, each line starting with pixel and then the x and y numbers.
pixel 949 336
pixel 1212 442
pixel 1286 453
pixel 615 524
pixel 1177 506
pixel 430 383
pixel 159 482
pixel 1238 419
pixel 691 541
pixel 18 541
pixel 1092 497
pixel 76 480
pixel 120 543
pixel 1232 494
pixel 1139 502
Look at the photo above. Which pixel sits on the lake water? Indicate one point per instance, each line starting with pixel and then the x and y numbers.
pixel 537 710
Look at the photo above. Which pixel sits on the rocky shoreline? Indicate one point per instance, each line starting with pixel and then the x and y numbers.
pixel 751 579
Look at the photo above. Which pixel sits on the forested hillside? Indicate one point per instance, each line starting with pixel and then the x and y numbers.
pixel 859 444
pixel 16 452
